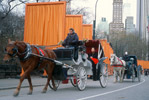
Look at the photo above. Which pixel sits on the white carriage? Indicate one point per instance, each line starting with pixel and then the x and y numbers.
pixel 77 70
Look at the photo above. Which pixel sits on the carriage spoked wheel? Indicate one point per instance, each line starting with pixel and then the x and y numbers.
pixel 57 82
pixel 81 78
pixel 133 75
pixel 103 75
pixel 73 81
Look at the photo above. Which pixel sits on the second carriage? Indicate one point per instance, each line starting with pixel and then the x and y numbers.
pixel 132 70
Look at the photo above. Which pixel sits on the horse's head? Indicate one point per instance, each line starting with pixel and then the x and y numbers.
pixel 13 48
pixel 112 58
pixel 10 50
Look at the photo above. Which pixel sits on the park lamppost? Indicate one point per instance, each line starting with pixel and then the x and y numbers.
pixel 148 36
pixel 94 22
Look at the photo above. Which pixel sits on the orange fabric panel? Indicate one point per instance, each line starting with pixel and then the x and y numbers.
pixel 107 52
pixel 87 31
pixel 75 22
pixel 45 23
pixel 144 64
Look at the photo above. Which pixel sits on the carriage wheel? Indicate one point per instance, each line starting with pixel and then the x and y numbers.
pixel 133 75
pixel 57 82
pixel 139 73
pixel 81 78
pixel 73 81
pixel 103 75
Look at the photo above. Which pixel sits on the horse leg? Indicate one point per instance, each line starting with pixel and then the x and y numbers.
pixel 123 69
pixel 49 72
pixel 120 75
pixel 46 86
pixel 30 84
pixel 53 83
pixel 16 93
pixel 115 75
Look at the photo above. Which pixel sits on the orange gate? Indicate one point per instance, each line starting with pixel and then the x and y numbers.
pixel 107 53
pixel 44 23
pixel 87 31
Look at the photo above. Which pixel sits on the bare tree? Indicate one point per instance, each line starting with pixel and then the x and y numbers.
pixel 131 43
pixel 7 6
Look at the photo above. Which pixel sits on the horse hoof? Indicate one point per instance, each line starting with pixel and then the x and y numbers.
pixel 16 94
pixel 54 89
pixel 44 91
pixel 115 81
pixel 29 93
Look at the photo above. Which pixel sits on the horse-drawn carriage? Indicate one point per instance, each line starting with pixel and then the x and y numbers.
pixel 125 68
pixel 78 70
pixel 132 70
pixel 66 66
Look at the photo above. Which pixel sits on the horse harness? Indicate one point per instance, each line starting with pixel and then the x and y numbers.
pixel 28 53
pixel 41 53
pixel 118 65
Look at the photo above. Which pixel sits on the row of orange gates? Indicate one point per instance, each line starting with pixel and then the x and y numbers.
pixel 47 24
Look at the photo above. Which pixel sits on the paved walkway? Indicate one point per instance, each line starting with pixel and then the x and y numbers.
pixel 11 83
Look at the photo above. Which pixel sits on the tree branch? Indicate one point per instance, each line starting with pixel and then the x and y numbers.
pixel 80 10
pixel 10 9
pixel 23 1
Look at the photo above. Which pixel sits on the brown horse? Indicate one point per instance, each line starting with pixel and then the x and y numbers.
pixel 29 62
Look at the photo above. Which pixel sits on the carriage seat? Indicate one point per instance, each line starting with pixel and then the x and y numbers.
pixel 64 53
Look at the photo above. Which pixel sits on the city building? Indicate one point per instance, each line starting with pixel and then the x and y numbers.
pixel 129 25
pixel 117 26
pixel 127 9
pixel 103 26
pixel 143 19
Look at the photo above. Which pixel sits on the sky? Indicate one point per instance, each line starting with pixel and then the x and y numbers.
pixel 104 8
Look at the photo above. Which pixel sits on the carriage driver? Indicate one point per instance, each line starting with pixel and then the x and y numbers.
pixel 125 57
pixel 72 41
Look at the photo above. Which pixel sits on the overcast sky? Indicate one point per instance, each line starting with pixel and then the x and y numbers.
pixel 104 8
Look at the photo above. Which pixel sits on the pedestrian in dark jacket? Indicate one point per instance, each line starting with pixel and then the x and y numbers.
pixel 71 39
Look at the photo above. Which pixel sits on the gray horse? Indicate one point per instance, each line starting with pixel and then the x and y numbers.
pixel 118 67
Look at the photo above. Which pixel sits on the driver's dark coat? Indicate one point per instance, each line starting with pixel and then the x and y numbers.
pixel 71 39
pixel 125 58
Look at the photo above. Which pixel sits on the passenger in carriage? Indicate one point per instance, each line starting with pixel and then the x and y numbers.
pixel 92 57
pixel 72 41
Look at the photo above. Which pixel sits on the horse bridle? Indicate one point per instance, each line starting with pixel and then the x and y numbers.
pixel 113 59
pixel 15 51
